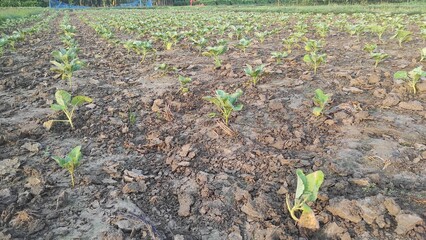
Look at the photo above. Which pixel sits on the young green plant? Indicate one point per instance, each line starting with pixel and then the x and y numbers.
pixel 70 162
pixel 165 68
pixel 378 57
pixel 243 44
pixel 279 56
pixel 183 84
pixel 314 59
pixel 67 105
pixel 215 52
pixel 66 63
pixel 255 73
pixel 370 47
pixel 320 100
pixel 402 36
pixel 306 192
pixel 225 103
pixel 413 77
pixel 313 46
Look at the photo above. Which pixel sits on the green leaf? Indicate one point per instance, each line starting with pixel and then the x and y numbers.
pixel 57 107
pixel 307 58
pixel 222 94
pixel 61 161
pixel 401 75
pixel 57 64
pixel 239 107
pixel 301 182
pixel 62 97
pixel 319 94
pixel 314 181
pixel 79 100
pixel 75 155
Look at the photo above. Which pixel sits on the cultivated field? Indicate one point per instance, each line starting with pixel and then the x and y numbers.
pixel 338 94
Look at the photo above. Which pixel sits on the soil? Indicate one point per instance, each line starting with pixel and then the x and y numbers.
pixel 175 173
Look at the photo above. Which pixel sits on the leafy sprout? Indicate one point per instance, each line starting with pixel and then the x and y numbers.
pixel 255 73
pixel 378 57
pixel 314 60
pixel 313 46
pixel 215 52
pixel 165 68
pixel 66 63
pixel 370 47
pixel 261 35
pixel 379 30
pixel 320 100
pixel 413 77
pixel 183 84
pixel 289 43
pixel 243 44
pixel 200 43
pixel 306 192
pixel 225 103
pixel 140 47
pixel 279 56
pixel 67 105
pixel 402 36
pixel 70 161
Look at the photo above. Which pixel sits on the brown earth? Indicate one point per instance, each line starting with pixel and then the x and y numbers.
pixel 176 174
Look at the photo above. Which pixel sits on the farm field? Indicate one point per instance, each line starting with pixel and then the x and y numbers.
pixel 344 94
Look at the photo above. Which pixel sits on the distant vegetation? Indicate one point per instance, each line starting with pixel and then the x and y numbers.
pixel 107 3
pixel 11 13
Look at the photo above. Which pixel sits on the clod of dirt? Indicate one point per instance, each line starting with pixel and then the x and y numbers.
pixel 7 197
pixel 235 236
pixel 186 194
pixel 373 79
pixel 111 235
pixel 391 206
pixel 35 185
pixel 185 203
pixel 352 90
pixel 157 105
pixel 129 224
pixel 134 187
pixel 5 236
pixel 407 222
pixel 390 100
pixel 32 147
pixel 185 150
pixel 421 87
pixel 333 230
pixel 379 93
pixel 345 209
pixel 9 166
pixel 251 210
pixel 275 105
pixel 360 181
pixel 412 105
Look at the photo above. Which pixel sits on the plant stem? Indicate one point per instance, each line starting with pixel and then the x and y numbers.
pixel 69 116
pixel 72 179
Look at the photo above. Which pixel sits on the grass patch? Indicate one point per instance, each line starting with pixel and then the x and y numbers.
pixel 395 8
pixel 13 12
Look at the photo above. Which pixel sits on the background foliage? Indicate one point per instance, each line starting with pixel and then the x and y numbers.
pixel 102 3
